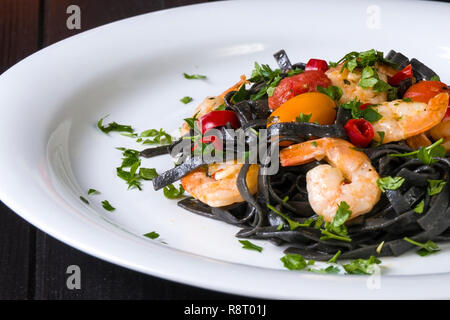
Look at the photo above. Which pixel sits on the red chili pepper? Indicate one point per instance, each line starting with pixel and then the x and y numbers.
pixel 360 132
pixel 403 74
pixel 218 143
pixel 219 118
pixel 316 64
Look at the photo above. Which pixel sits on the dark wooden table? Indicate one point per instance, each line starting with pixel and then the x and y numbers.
pixel 32 264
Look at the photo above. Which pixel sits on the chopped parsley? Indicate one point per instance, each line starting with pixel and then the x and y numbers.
pixel 303 117
pixel 425 154
pixel 93 191
pixel 333 92
pixel 250 246
pixel 240 95
pixel 186 100
pixel 335 257
pixel 390 183
pixel 362 266
pixel 158 137
pixel 327 270
pixel 113 126
pixel 427 247
pixel 194 76
pixel 107 206
pixel 171 192
pixel 435 78
pixel 294 261
pixel 369 113
pixel 148 173
pixel 265 73
pixel 435 187
pixel 336 229
pixel 84 199
pixel 292 224
pixel 294 72
pixel 420 206
pixel 152 235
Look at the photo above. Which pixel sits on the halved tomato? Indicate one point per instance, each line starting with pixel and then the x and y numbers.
pixel 423 91
pixel 298 84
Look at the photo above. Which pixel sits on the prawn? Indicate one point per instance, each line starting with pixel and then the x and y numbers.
pixel 442 130
pixel 401 119
pixel 348 177
pixel 349 83
pixel 216 185
pixel 211 103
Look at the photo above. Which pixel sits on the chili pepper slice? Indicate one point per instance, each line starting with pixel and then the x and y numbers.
pixel 360 132
pixel 403 74
pixel 218 118
pixel 364 106
pixel 316 64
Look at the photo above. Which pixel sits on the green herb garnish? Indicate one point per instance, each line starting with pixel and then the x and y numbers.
pixel 240 95
pixel 186 99
pixel 435 78
pixel 335 257
pixel 333 92
pixel 171 192
pixel 84 199
pixel 152 235
pixel 265 73
pixel 148 173
pixel 419 208
pixel 435 187
pixel 113 126
pixel 294 262
pixel 194 76
pixel 93 191
pixel 427 247
pixel 250 246
pixel 303 117
pixel 425 154
pixel 390 183
pixel 336 229
pixel 327 270
pixel 292 224
pixel 369 113
pixel 362 266
pixel 161 137
pixel 107 206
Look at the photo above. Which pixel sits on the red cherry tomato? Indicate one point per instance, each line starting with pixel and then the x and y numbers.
pixel 298 84
pixel 316 64
pixel 403 74
pixel 423 91
pixel 219 118
pixel 360 132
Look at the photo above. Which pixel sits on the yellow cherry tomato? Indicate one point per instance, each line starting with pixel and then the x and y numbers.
pixel 320 106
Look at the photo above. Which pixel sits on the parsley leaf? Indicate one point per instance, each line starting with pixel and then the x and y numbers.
pixel 294 262
pixel 369 113
pixel 389 183
pixel 170 192
pixel 335 93
pixel 84 200
pixel 292 224
pixel 93 191
pixel 250 246
pixel 265 73
pixel 435 78
pixel 240 95
pixel 107 206
pixel 427 247
pixel 419 208
pixel 327 270
pixel 161 137
pixel 148 173
pixel 435 187
pixel 152 235
pixel 186 100
pixel 113 126
pixel 362 266
pixel 335 257
pixel 294 72
pixel 336 229
pixel 426 154
pixel 303 117
pixel 194 76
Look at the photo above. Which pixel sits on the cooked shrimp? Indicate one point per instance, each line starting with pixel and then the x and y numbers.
pixel 442 130
pixel 401 120
pixel 349 83
pixel 348 177
pixel 216 186
pixel 211 103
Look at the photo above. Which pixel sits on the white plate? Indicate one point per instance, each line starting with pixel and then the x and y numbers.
pixel 132 70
